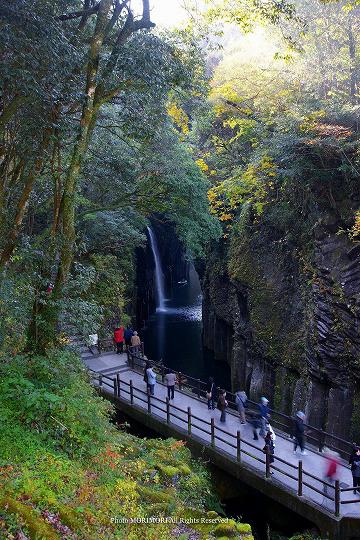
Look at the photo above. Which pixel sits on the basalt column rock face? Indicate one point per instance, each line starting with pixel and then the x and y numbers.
pixel 333 348
pixel 288 330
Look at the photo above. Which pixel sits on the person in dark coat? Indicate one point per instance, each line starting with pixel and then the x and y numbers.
pixel 269 447
pixel 170 380
pixel 352 453
pixel 128 335
pixel 211 393
pixel 355 470
pixel 222 405
pixel 299 432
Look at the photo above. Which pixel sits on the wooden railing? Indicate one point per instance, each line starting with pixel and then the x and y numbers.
pixel 234 446
pixel 318 438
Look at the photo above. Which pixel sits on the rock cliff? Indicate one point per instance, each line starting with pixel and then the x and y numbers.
pixel 282 306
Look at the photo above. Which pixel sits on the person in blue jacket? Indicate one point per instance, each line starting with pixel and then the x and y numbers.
pixel 263 415
pixel 128 334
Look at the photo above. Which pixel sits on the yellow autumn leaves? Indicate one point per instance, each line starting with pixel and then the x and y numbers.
pixel 179 117
pixel 251 185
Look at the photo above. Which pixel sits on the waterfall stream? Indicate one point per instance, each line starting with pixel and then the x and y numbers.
pixel 173 332
pixel 159 275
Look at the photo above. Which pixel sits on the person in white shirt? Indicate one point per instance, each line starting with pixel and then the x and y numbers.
pixel 151 379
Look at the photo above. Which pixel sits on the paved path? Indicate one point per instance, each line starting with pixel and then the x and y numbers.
pixel 313 463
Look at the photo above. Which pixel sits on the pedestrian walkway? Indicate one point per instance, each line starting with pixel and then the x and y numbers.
pixel 285 470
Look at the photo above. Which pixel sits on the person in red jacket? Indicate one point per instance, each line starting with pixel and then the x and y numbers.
pixel 331 467
pixel 119 339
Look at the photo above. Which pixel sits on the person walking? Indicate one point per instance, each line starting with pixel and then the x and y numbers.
pixel 151 379
pixel 135 342
pixel 240 402
pixel 119 339
pixel 263 415
pixel 211 393
pixel 222 405
pixel 355 470
pixel 269 447
pixel 93 343
pixel 255 422
pixel 170 380
pixel 128 335
pixel 147 366
pixel 299 432
pixel 332 462
pixel 352 453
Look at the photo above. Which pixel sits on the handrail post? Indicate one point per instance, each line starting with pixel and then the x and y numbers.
pixel 100 379
pixel 267 464
pixel 300 479
pixel 128 356
pixel 131 392
pixel 149 401
pixel 213 432
pixel 238 446
pixel 180 379
pixel 115 387
pixel 167 410
pixel 322 440
pixel 162 373
pixel 198 387
pixel 118 384
pixel 337 498
pixel 189 420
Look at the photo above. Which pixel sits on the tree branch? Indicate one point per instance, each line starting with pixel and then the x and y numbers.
pixel 76 14
pixel 84 18
pixel 116 14
pixel 145 22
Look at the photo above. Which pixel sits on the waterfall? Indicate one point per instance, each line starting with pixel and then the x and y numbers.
pixel 159 276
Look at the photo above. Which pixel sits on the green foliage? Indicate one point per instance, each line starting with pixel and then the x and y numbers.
pixel 62 464
pixel 89 171
pixel 110 286
pixel 43 393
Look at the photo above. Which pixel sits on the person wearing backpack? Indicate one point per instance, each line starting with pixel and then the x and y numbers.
pixel 222 405
pixel 211 393
pixel 240 402
pixel 269 447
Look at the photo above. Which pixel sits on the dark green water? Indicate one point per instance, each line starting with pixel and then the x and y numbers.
pixel 174 335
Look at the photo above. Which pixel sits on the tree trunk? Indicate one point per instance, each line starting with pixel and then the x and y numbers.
pixel 47 315
pixel 22 205
pixel 353 71
pixel 87 123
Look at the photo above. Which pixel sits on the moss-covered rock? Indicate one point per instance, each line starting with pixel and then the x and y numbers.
pixel 226 529
pixel 38 528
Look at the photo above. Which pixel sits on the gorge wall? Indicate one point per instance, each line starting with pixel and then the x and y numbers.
pixel 282 307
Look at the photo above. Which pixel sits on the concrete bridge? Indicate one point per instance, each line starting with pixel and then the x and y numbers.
pixel 294 483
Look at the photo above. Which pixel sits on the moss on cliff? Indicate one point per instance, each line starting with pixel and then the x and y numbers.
pixel 278 339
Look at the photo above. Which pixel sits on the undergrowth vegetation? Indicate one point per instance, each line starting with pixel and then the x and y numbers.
pixel 67 472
